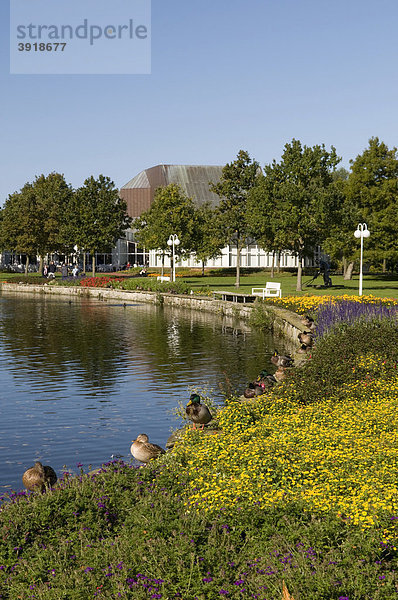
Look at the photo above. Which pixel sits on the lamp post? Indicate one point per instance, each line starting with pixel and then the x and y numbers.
pixel 361 232
pixel 173 241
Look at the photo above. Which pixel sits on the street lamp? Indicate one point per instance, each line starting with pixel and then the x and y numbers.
pixel 173 241
pixel 361 232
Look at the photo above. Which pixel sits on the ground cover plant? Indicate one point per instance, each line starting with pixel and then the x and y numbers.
pixel 299 485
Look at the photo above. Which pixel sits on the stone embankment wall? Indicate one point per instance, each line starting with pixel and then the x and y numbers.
pixel 285 323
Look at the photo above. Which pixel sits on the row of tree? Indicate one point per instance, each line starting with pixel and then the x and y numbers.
pixel 48 216
pixel 293 205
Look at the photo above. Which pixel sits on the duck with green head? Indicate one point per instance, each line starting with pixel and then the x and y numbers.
pixel 281 361
pixel 198 413
pixel 265 380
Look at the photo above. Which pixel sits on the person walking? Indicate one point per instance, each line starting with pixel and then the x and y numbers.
pixel 64 271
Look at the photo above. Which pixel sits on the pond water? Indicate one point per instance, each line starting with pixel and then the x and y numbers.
pixel 82 378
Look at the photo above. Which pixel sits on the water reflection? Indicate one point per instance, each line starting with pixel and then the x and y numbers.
pixel 81 379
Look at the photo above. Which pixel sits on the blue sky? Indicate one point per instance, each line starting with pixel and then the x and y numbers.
pixel 226 75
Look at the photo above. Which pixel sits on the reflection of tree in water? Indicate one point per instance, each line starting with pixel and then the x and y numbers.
pixel 50 339
pixel 182 340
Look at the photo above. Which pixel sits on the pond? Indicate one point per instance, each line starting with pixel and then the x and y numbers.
pixel 82 378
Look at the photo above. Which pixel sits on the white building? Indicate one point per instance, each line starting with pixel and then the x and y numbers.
pixel 194 180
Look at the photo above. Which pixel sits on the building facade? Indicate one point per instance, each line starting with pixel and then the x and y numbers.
pixel 194 180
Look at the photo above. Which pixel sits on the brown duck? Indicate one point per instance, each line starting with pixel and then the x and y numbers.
pixel 143 450
pixel 280 374
pixel 306 337
pixel 254 389
pixel 308 322
pixel 39 477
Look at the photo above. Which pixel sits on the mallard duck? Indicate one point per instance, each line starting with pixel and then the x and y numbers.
pixel 281 361
pixel 265 379
pixel 198 413
pixel 38 477
pixel 143 450
pixel 306 337
pixel 254 389
pixel 308 321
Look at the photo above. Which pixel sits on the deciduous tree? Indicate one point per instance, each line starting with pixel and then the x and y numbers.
pixel 237 179
pixel 96 217
pixel 172 212
pixel 373 186
pixel 303 198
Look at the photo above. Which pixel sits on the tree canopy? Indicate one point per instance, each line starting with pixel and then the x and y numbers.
pixel 32 218
pixel 373 187
pixel 295 201
pixel 237 179
pixel 96 217
pixel 172 212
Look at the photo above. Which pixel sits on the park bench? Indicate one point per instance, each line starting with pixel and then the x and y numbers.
pixel 271 290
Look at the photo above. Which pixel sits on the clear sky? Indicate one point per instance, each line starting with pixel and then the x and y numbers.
pixel 226 75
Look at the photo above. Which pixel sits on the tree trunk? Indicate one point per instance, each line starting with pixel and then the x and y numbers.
pixel 344 264
pixel 203 268
pixel 93 264
pixel 41 266
pixel 384 265
pixel 278 263
pixel 237 282
pixel 348 271
pixel 273 265
pixel 26 264
pixel 162 267
pixel 84 261
pixel 299 287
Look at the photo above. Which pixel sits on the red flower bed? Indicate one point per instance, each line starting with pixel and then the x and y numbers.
pixel 99 281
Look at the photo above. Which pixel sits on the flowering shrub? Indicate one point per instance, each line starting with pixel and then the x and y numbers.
pixel 330 314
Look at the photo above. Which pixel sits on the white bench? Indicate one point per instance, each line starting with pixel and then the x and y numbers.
pixel 271 290
pixel 163 278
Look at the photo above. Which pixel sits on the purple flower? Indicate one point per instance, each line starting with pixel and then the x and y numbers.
pixel 223 592
pixel 207 579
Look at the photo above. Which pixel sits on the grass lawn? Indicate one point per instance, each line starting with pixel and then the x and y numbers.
pixel 383 286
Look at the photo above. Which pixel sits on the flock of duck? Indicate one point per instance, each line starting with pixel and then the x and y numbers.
pixel 265 381
pixel 39 477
